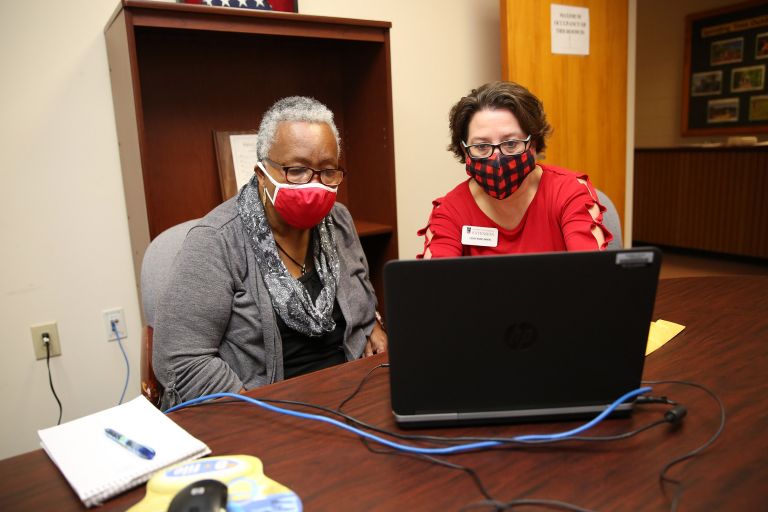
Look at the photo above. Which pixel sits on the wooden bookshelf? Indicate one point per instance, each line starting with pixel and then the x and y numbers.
pixel 182 72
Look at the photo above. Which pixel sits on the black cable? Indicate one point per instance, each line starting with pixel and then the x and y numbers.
pixel 647 399
pixel 443 439
pixel 663 478
pixel 499 505
pixel 615 437
pixel 428 438
pixel 434 460
pixel 383 451
pixel 50 379
pixel 673 416
pixel 458 439
pixel 360 385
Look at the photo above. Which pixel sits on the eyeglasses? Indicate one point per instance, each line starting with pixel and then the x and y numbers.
pixel 509 147
pixel 299 175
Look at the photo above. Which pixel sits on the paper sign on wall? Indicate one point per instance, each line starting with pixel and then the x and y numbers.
pixel 570 29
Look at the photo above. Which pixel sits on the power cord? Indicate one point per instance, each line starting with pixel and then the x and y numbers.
pixel 663 478
pixel 673 416
pixel 47 343
pixel 113 323
pixel 669 417
pixel 427 458
pixel 531 502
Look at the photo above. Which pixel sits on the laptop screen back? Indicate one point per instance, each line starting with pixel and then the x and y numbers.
pixel 515 337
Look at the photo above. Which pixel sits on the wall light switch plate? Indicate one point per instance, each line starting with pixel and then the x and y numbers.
pixel 118 315
pixel 37 339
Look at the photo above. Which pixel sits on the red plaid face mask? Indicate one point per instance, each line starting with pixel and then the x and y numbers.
pixel 500 175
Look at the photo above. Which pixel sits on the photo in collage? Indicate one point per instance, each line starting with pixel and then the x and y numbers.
pixel 742 79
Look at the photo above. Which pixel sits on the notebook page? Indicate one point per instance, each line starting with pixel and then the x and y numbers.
pixel 97 467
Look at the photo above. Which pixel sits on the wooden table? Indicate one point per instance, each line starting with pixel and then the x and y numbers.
pixel 724 347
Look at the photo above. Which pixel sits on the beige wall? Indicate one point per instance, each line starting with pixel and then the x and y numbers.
pixel 660 37
pixel 65 250
pixel 65 254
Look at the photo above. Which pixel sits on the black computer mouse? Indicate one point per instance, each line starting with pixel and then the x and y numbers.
pixel 200 496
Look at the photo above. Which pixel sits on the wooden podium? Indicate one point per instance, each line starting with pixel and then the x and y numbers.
pixel 182 72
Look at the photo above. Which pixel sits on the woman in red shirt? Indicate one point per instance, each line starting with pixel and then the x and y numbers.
pixel 510 204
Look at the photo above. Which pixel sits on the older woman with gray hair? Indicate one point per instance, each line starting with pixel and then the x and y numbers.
pixel 273 283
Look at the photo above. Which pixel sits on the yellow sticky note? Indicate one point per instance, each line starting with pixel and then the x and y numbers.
pixel 661 332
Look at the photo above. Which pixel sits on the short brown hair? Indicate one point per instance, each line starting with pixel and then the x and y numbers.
pixel 526 107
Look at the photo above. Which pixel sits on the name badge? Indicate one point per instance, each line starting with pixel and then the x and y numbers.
pixel 475 235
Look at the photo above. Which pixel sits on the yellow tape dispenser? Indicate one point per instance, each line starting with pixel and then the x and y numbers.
pixel 248 489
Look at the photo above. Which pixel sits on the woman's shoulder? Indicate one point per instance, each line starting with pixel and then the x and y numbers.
pixel 559 180
pixel 344 225
pixel 561 174
pixel 341 216
pixel 459 198
pixel 221 217
pixel 218 233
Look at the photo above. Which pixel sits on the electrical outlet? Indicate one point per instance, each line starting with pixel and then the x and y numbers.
pixel 52 331
pixel 118 316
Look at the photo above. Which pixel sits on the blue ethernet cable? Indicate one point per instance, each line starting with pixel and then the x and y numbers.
pixel 532 438
pixel 127 364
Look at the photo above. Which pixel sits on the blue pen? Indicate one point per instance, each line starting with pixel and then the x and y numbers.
pixel 140 450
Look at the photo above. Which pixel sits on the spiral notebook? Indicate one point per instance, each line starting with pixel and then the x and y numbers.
pixel 99 468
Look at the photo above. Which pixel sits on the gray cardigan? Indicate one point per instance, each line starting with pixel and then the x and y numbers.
pixel 215 328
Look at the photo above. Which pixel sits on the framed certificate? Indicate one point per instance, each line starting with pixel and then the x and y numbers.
pixel 236 158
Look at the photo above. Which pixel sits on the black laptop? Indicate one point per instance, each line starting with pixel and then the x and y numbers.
pixel 519 337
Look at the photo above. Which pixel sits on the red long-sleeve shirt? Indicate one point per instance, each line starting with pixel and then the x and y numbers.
pixel 558 219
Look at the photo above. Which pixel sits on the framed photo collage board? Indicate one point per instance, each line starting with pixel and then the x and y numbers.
pixel 724 81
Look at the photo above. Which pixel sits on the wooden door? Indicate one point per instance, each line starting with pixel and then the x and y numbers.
pixel 585 97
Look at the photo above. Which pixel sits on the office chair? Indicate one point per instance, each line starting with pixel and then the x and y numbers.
pixel 611 220
pixel 155 268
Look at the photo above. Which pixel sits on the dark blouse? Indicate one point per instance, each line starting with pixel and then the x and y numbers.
pixel 304 354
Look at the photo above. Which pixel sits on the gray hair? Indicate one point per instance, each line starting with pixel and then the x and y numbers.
pixel 292 108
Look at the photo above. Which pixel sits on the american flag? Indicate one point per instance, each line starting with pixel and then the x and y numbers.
pixel 264 5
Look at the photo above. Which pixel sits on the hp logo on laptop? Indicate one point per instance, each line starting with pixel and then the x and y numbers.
pixel 520 336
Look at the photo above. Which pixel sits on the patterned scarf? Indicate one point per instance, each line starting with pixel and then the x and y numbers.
pixel 290 298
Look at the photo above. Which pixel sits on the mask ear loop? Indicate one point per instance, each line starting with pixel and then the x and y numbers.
pixel 272 197
pixel 264 193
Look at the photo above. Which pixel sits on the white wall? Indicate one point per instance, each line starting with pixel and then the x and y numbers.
pixel 65 251
pixel 659 78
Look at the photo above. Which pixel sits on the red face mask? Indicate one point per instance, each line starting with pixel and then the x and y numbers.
pixel 500 175
pixel 301 206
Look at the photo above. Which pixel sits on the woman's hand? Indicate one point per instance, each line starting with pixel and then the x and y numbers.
pixel 377 341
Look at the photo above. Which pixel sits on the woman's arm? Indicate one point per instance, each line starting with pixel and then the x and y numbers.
pixel 442 234
pixel 377 341
pixel 192 315
pixel 582 220
pixel 359 296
